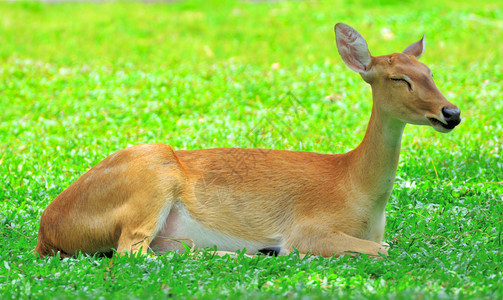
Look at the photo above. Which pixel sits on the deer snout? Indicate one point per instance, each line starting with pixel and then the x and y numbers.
pixel 452 116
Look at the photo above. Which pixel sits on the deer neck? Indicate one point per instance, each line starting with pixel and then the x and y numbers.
pixel 375 160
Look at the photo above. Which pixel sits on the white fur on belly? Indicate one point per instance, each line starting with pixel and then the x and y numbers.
pixel 180 225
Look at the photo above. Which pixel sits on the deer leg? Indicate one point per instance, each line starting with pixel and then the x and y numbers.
pixel 140 227
pixel 336 243
pixel 120 203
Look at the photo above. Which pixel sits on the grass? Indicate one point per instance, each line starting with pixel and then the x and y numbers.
pixel 80 81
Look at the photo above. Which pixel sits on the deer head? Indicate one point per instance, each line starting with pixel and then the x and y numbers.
pixel 402 87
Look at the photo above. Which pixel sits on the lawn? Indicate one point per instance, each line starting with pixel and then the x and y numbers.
pixel 79 81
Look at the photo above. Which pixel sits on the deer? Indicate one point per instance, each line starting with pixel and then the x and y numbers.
pixel 146 198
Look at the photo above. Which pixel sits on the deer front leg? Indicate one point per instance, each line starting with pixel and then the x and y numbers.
pixel 333 243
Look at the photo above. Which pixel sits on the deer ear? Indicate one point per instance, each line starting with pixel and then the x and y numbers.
pixel 352 48
pixel 416 49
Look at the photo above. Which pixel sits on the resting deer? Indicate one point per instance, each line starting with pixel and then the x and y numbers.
pixel 321 204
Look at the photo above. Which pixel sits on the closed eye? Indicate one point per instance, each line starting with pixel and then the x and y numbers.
pixel 406 81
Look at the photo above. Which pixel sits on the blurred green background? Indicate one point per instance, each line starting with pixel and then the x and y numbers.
pixel 79 81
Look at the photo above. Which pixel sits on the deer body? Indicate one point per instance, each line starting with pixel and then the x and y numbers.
pixel 320 203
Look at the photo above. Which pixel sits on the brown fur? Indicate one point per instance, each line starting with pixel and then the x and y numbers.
pixel 319 203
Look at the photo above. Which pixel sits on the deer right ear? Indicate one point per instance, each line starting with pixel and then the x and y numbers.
pixel 416 49
pixel 353 48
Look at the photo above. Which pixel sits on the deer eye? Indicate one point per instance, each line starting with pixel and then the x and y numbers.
pixel 404 80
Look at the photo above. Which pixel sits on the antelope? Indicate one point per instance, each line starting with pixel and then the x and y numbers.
pixel 145 197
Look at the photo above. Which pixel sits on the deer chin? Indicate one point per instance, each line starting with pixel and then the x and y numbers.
pixel 440 126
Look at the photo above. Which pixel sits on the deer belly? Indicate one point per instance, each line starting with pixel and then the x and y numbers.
pixel 181 227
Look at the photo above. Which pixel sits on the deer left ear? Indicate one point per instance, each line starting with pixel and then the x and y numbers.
pixel 416 49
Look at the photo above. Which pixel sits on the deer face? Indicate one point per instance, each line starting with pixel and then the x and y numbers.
pixel 404 88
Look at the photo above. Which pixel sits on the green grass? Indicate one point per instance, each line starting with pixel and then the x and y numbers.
pixel 81 81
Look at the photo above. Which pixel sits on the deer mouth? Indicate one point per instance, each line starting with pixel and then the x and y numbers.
pixel 436 123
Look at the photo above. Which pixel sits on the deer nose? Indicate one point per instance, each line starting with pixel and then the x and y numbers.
pixel 451 116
